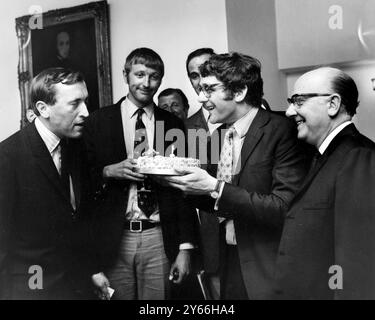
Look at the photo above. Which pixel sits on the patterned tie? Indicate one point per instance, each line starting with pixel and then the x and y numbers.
pixel 147 201
pixel 225 165
pixel 140 137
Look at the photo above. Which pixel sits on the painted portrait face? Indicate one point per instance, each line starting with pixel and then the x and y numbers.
pixel 63 44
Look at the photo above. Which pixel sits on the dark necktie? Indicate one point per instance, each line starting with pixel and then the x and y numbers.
pixel 145 190
pixel 315 160
pixel 317 157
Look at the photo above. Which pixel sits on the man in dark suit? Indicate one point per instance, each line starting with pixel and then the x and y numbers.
pixel 259 171
pixel 206 132
pixel 42 194
pixel 145 231
pixel 327 249
pixel 199 147
pixel 195 59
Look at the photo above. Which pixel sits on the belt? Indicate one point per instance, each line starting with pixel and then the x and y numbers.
pixel 139 225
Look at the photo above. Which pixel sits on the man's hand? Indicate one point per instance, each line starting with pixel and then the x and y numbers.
pixel 123 170
pixel 195 181
pixel 101 284
pixel 181 267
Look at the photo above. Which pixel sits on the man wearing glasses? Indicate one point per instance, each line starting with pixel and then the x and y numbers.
pixel 259 171
pixel 327 249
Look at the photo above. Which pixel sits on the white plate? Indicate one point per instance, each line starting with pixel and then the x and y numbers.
pixel 159 172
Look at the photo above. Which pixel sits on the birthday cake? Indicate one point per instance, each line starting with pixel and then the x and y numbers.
pixel 152 163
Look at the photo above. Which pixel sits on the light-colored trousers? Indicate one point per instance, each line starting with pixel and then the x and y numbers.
pixel 142 269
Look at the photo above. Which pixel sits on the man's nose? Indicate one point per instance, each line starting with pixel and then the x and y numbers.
pixel 83 112
pixel 291 111
pixel 202 97
pixel 146 81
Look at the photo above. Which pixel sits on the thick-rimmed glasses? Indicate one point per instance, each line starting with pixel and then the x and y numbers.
pixel 208 90
pixel 299 99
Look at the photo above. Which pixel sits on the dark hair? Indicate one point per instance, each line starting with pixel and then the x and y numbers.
pixel 42 87
pixel 345 86
pixel 63 31
pixel 237 71
pixel 170 91
pixel 145 56
pixel 198 53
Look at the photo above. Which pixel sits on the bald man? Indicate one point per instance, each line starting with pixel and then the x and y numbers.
pixel 327 249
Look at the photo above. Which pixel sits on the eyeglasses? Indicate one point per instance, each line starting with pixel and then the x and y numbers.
pixel 300 99
pixel 208 90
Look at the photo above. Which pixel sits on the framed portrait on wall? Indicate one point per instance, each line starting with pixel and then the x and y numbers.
pixel 75 38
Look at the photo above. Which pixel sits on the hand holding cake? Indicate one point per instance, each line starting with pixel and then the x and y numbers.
pixel 194 180
pixel 124 170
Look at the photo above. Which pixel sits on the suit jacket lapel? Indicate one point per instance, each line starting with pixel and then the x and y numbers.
pixel 349 130
pixel 253 136
pixel 44 159
pixel 158 116
pixel 213 162
pixel 76 172
pixel 310 177
pixel 201 123
pixel 117 131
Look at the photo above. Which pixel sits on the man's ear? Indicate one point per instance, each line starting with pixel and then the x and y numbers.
pixel 43 109
pixel 240 95
pixel 125 75
pixel 334 105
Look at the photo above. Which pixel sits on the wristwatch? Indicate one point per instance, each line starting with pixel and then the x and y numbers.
pixel 215 193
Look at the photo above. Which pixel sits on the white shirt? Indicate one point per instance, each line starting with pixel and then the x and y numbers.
pixel 128 123
pixel 129 119
pixel 327 141
pixel 52 143
pixel 241 127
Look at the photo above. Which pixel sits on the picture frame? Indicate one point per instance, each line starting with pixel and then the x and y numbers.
pixel 77 38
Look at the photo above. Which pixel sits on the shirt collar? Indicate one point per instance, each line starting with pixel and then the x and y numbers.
pixel 242 125
pixel 50 139
pixel 131 108
pixel 327 141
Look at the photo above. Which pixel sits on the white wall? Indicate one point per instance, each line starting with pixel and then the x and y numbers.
pixel 252 30
pixel 10 105
pixel 312 32
pixel 362 73
pixel 173 28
